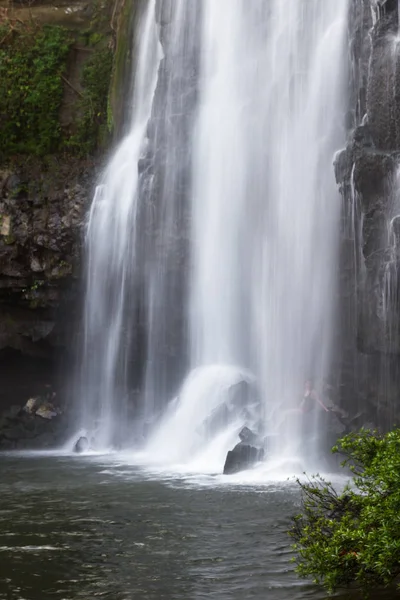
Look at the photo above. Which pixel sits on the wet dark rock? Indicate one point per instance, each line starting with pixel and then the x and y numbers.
pixel 82 445
pixel 343 165
pixel 242 457
pixel 41 223
pixel 367 171
pixel 13 413
pixel 31 405
pixel 46 411
pixel 242 402
pixel 33 427
pixel 373 171
pixel 383 106
pixel 248 437
pixel 247 453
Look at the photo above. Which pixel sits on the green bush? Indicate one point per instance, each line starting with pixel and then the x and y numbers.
pixel 32 61
pixel 353 537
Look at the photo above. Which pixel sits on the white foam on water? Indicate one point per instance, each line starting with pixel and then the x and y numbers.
pixel 111 256
pixel 183 436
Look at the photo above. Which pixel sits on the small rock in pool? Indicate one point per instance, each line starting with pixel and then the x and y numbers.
pixel 242 457
pixel 81 445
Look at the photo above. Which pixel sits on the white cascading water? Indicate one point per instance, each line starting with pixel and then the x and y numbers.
pixel 111 245
pixel 265 220
pixel 264 228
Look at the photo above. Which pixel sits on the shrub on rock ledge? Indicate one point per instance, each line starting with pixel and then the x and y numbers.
pixel 353 537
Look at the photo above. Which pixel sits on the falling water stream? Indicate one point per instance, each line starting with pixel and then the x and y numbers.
pixel 111 246
pixel 265 215
pixel 264 224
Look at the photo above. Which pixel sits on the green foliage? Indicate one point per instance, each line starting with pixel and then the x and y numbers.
pixel 353 537
pixel 100 20
pixel 91 129
pixel 95 38
pixel 32 61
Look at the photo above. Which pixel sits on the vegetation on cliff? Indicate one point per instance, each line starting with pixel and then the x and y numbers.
pixel 55 74
pixel 353 537
pixel 92 130
pixel 32 62
pixel 34 76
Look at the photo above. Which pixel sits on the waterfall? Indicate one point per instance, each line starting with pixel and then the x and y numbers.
pixel 265 219
pixel 226 240
pixel 111 248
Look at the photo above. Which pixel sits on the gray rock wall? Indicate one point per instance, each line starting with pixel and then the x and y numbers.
pixel 40 249
pixel 367 172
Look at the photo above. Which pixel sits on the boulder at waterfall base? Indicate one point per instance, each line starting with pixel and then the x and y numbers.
pixel 249 437
pixel 82 445
pixel 242 457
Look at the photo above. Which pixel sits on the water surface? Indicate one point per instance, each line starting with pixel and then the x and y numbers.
pixel 93 527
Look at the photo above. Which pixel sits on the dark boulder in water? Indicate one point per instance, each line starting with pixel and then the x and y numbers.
pixel 242 457
pixel 81 445
pixel 249 437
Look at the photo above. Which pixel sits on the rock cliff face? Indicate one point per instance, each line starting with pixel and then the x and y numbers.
pixel 40 248
pixel 54 129
pixel 368 174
